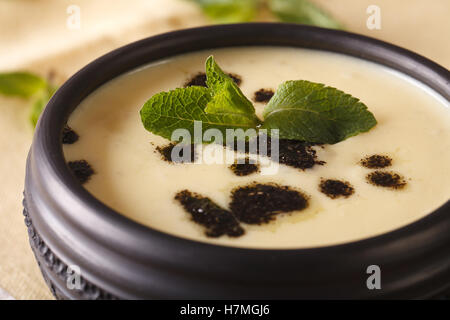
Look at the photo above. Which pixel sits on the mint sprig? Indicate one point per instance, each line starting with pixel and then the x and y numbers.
pixel 180 108
pixel 28 86
pixel 300 110
pixel 227 98
pixel 313 112
pixel 220 106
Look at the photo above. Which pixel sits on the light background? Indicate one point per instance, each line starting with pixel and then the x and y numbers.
pixel 34 36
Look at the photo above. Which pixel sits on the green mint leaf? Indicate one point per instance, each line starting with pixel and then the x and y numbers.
pixel 312 112
pixel 42 98
pixel 178 109
pixel 229 11
pixel 302 11
pixel 227 97
pixel 300 110
pixel 20 84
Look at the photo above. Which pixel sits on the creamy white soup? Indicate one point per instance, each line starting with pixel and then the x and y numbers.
pixel 131 177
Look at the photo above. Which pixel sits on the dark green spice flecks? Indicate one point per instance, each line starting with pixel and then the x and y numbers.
pixel 260 203
pixel 298 154
pixel 69 136
pixel 244 169
pixel 81 169
pixel 236 78
pixel 336 188
pixel 263 95
pixel 293 153
pixel 205 212
pixel 376 161
pixel 166 153
pixel 387 179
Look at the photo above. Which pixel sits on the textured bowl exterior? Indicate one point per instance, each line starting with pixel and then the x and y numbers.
pixel 121 259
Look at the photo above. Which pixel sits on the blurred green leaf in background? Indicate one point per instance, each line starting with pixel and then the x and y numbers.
pixel 229 11
pixel 20 84
pixel 304 12
pixel 28 86
pixel 40 103
pixel 292 11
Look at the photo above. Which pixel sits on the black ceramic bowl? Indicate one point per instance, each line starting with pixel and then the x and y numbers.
pixel 119 258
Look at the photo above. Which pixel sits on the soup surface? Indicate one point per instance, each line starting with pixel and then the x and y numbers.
pixel 130 176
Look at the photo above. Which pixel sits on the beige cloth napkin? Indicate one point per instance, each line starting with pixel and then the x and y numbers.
pixel 34 36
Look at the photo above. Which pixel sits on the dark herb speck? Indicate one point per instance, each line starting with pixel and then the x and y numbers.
pixel 166 153
pixel 386 179
pixel 197 80
pixel 336 188
pixel 244 169
pixel 376 161
pixel 205 212
pixel 236 78
pixel 260 203
pixel 293 153
pixel 298 154
pixel 69 136
pixel 81 169
pixel 263 95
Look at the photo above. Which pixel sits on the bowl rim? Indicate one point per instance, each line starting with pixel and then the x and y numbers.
pixel 47 147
